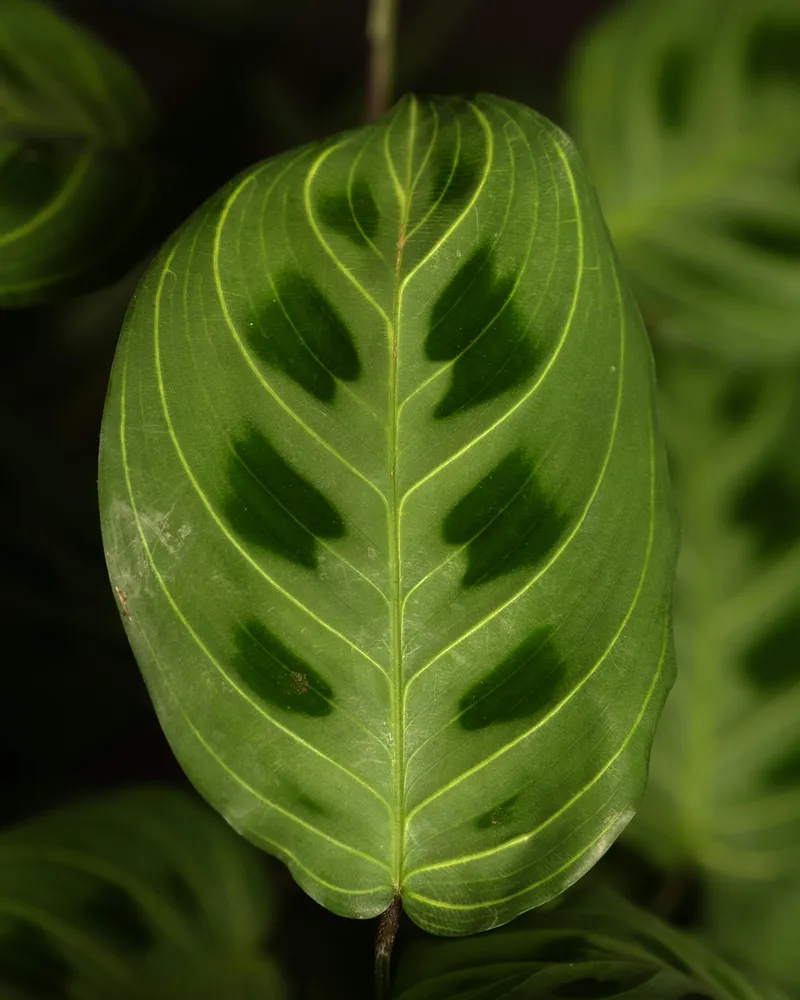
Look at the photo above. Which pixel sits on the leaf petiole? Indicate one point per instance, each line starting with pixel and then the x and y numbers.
pixel 384 942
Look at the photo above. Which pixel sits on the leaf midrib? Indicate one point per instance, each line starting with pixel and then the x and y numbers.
pixel 393 520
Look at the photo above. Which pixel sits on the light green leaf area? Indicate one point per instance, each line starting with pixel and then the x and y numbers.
pixel 386 514
pixel 71 189
pixel 724 788
pixel 598 946
pixel 689 116
pixel 143 894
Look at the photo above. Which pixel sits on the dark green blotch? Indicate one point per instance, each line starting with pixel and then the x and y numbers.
pixel 773 664
pixel 737 404
pixel 780 239
pixel 662 952
pixel 270 504
pixel 295 793
pixel 117 918
pixel 523 686
pixel 31 177
pixel 455 180
pixel 179 893
pixel 773 52
pixel 14 77
pixel 297 330
pixel 569 948
pixel 314 807
pixel 770 506
pixel 675 86
pixel 277 675
pixel 476 324
pixel 356 217
pixel 505 521
pixel 498 815
pixel 785 773
pixel 31 964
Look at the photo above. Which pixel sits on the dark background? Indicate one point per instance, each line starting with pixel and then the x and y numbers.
pixel 234 81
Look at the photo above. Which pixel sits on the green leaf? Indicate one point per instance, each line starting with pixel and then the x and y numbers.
pixel 141 895
pixel 759 925
pixel 599 946
pixel 724 789
pixel 689 116
pixel 72 185
pixel 386 513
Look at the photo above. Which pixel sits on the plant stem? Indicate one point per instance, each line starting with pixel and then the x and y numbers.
pixel 384 941
pixel 382 37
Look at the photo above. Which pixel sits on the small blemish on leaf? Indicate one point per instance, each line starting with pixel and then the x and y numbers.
pixel 498 815
pixel 123 602
pixel 299 682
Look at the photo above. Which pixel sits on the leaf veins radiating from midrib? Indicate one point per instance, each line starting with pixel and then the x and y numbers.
pixel 404 188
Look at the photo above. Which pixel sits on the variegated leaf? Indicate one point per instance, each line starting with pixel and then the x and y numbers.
pixel 386 514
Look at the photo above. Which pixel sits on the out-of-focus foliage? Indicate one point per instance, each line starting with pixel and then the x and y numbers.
pixel 140 895
pixel 759 925
pixel 689 115
pixel 723 788
pixel 598 946
pixel 72 184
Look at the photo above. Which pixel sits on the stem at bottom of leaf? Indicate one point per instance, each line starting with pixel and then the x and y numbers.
pixel 384 942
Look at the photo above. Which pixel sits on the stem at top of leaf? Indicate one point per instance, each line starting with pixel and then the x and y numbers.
pixel 382 37
pixel 384 942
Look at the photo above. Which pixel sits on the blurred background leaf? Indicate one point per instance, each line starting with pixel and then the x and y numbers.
pixel 143 893
pixel 723 796
pixel 724 780
pixel 595 945
pixel 759 924
pixel 689 115
pixel 73 180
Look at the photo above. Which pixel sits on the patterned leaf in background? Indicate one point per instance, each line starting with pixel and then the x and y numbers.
pixel 689 116
pixel 724 788
pixel 386 514
pixel 143 894
pixel 72 185
pixel 599 946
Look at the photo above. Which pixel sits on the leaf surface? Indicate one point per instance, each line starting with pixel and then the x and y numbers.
pixel 689 116
pixel 600 946
pixel 71 185
pixel 386 514
pixel 141 895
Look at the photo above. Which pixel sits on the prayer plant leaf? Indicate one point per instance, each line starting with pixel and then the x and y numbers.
pixel 72 185
pixel 142 894
pixel 599 946
pixel 387 516
pixel 724 787
pixel 689 116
